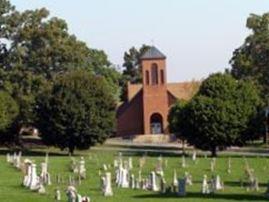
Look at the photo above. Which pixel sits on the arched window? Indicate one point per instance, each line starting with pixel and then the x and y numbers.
pixel 162 76
pixel 147 77
pixel 154 74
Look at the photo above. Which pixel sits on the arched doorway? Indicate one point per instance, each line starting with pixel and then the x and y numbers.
pixel 156 123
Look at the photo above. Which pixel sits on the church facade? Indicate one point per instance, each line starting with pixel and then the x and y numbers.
pixel 146 110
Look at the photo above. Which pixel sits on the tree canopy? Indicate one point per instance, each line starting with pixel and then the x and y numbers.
pixel 34 48
pixel 8 113
pixel 8 110
pixel 35 42
pixel 251 59
pixel 78 112
pixel 24 87
pixel 219 115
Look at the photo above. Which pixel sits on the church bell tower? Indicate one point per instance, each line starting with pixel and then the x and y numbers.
pixel 155 97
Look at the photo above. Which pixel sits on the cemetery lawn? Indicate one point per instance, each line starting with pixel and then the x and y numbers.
pixel 59 163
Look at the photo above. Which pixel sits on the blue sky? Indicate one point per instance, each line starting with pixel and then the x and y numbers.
pixel 197 36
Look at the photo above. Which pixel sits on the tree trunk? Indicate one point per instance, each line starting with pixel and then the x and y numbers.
pixel 265 134
pixel 71 150
pixel 214 151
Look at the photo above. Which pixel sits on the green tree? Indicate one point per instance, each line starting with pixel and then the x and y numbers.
pixel 101 66
pixel 34 48
pixel 78 112
pixel 219 115
pixel 24 87
pixel 132 65
pixel 132 69
pixel 250 60
pixel 176 117
pixel 8 113
pixel 34 41
pixel 176 121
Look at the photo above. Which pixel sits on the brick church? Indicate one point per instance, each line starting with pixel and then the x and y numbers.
pixel 146 109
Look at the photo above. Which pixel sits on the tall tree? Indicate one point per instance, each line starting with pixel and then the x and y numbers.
pixel 132 69
pixel 34 48
pixel 220 114
pixel 251 59
pixel 8 113
pixel 78 112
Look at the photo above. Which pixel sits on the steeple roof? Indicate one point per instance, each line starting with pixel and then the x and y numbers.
pixel 153 53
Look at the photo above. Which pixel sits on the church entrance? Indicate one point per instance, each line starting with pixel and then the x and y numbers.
pixel 156 123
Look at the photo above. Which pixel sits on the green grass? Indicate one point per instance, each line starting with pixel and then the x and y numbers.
pixel 11 189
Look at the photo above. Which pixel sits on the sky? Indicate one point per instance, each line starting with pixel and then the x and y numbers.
pixel 197 36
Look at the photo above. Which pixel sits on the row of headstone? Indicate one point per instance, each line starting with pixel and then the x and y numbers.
pixel 31 180
pixel 78 167
pixel 122 175
pixel 14 159
pixel 213 185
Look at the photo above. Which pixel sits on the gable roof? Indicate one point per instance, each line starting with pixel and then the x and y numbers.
pixel 152 53
pixel 181 90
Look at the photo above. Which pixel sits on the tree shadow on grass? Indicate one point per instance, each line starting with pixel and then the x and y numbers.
pixel 150 153
pixel 239 197
pixel 238 184
pixel 179 153
pixel 4 151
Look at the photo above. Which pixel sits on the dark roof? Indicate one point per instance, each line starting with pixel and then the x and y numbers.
pixel 153 53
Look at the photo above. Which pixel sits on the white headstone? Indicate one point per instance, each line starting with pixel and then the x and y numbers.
pixel 194 156
pixel 130 163
pixel 107 188
pixel 217 183
pixel 152 182
pixel 27 177
pixel 188 178
pixel 8 158
pixel 115 163
pixel 183 162
pixel 205 187
pixel 41 189
pixel 124 183
pixel 118 175
pixel 18 161
pixel 229 165
pixel 175 182
pixel 57 195
pixel 213 164
pixel 34 184
pixel 82 169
